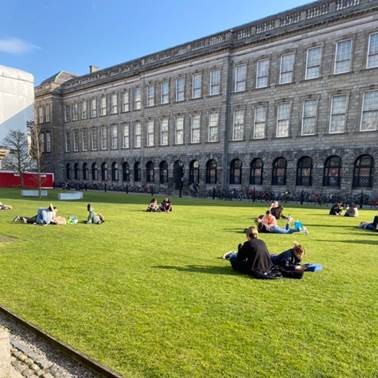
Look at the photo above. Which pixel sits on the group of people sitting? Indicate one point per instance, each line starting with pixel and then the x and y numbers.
pixel 253 258
pixel 165 206
pixel 268 222
pixel 3 206
pixel 349 210
pixel 48 215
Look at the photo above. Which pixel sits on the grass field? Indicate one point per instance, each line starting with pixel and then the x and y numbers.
pixel 146 295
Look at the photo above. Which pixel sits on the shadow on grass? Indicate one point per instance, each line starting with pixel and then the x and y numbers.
pixel 207 269
pixel 369 242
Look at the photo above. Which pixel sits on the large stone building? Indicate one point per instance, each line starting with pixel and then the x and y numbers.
pixel 287 103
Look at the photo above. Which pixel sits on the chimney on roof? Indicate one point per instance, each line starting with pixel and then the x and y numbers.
pixel 93 68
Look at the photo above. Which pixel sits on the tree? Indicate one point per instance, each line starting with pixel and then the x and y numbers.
pixel 34 130
pixel 19 158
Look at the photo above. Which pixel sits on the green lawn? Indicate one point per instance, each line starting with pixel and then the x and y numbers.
pixel 146 295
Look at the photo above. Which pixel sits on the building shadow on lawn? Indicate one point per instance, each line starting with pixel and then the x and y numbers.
pixel 207 269
pixel 369 242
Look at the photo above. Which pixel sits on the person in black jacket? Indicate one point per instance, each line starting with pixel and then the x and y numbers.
pixel 252 257
pixel 336 209
pixel 289 262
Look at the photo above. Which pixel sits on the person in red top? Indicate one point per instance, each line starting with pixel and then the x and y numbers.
pixel 269 220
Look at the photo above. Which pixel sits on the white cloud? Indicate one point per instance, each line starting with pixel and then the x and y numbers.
pixel 15 46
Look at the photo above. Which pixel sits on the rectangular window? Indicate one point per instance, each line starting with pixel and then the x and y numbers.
pixel 238 125
pixel 103 106
pixel 75 112
pixel 260 122
pixel 76 141
pixel 215 78
pixel 40 115
pixel 310 110
pixel 137 99
pixel 287 68
pixel 338 114
pixel 283 120
pixel 164 98
pixel 137 135
pixel 126 136
pixel 104 138
pixel 94 139
pixel 48 142
pixel 372 60
pixel 343 56
pixel 93 108
pixel 67 113
pixel 84 113
pixel 125 101
pixel 313 63
pixel 180 89
pixel 240 77
pixel 213 132
pixel 196 85
pixel 47 113
pixel 195 129
pixel 150 95
pixel 114 103
pixel 262 73
pixel 42 142
pixel 67 141
pixel 84 140
pixel 150 133
pixel 179 130
pixel 164 130
pixel 369 119
pixel 114 142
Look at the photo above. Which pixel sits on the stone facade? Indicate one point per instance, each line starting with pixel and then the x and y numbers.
pixel 301 84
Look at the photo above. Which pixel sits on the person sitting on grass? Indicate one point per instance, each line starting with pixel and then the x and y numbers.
pixel 351 211
pixel 153 206
pixel 3 206
pixel 166 205
pixel 370 226
pixel 336 209
pixel 289 262
pixel 276 210
pixel 269 223
pixel 252 257
pixel 93 217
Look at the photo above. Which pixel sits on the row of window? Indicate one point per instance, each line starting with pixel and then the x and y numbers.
pixel 362 174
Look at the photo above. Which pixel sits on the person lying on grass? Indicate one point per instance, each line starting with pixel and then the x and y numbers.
pixel 166 205
pixel 93 217
pixel 153 206
pixel 370 226
pixel 44 216
pixel 3 206
pixel 252 257
pixel 268 223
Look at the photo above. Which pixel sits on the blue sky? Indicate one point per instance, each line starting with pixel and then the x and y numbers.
pixel 46 36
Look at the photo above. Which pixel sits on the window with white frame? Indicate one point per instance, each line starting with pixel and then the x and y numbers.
pixel 338 114
pixel 42 142
pixel 164 92
pixel 67 143
pixel 215 80
pixel 40 115
pixel 114 103
pixel 75 111
pixel 48 141
pixel 84 140
pixel 104 138
pixel 369 118
pixel 137 135
pixel 238 125
pixel 66 113
pixel 283 120
pixel 164 130
pixel 262 73
pixel 313 62
pixel 287 68
pixel 84 113
pixel 197 85
pixel 125 101
pixel 76 141
pixel 309 116
pixel 372 59
pixel 150 133
pixel 259 128
pixel 114 140
pixel 137 98
pixel 195 129
pixel 47 113
pixel 93 108
pixel 240 77
pixel 179 130
pixel 150 95
pixel 213 130
pixel 180 89
pixel 103 106
pixel 343 56
pixel 94 139
pixel 126 136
